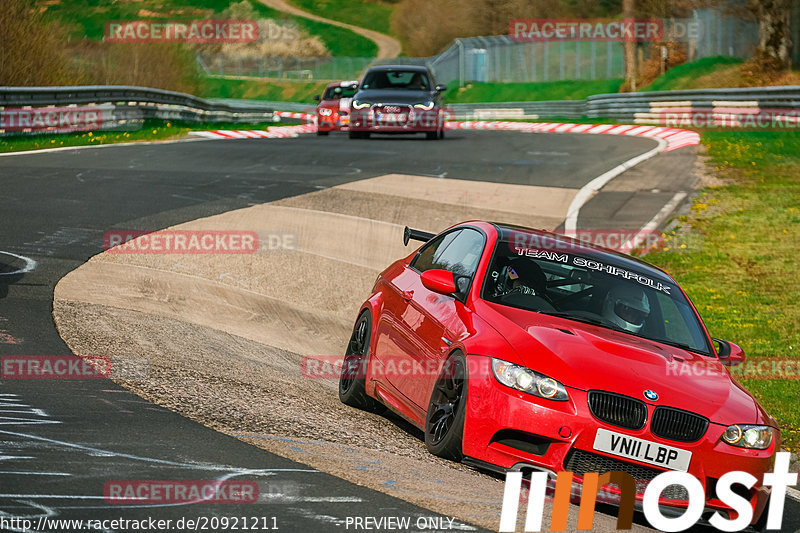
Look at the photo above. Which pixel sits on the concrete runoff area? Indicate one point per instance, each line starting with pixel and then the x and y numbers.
pixel 225 334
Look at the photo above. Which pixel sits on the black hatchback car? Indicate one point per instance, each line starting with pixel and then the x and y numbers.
pixel 398 99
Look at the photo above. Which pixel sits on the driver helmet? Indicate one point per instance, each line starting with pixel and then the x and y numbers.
pixel 526 275
pixel 627 306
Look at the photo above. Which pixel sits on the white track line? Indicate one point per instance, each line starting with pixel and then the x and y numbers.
pixel 30 264
pixel 87 146
pixel 668 208
pixel 587 191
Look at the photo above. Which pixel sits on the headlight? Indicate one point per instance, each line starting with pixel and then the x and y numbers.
pixel 526 380
pixel 325 112
pixel 748 436
pixel 428 106
pixel 360 105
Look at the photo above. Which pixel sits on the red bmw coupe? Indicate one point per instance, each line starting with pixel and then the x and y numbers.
pixel 514 348
pixel 333 109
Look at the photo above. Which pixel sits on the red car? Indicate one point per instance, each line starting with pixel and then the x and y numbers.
pixel 333 109
pixel 514 348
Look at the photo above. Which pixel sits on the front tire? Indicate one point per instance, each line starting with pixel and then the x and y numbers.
pixel 322 132
pixel 444 423
pixel 352 379
pixel 760 525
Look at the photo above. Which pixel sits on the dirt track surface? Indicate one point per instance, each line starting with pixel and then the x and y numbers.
pixel 388 47
pixel 224 335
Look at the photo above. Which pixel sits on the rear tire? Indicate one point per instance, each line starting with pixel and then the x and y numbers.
pixel 431 135
pixel 352 379
pixel 444 422
pixel 355 134
pixel 320 132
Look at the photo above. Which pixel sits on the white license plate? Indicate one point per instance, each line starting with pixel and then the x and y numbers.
pixel 392 117
pixel 642 450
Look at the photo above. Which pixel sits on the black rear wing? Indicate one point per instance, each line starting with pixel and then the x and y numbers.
pixel 416 235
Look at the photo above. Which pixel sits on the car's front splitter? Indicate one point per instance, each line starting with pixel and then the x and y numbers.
pixel 510 429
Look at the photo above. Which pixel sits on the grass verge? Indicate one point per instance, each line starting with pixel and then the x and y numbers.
pixel 526 92
pixel 88 21
pixel 708 72
pixel 370 15
pixel 152 130
pixel 275 91
pixel 743 280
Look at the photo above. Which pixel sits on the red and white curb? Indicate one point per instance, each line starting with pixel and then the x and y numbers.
pixel 276 132
pixel 308 117
pixel 673 137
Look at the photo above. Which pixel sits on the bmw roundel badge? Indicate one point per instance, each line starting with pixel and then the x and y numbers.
pixel 650 395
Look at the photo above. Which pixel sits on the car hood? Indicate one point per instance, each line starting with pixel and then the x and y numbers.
pixel 587 357
pixel 388 96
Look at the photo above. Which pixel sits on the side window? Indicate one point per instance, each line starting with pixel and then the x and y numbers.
pixel 458 251
pixel 427 257
pixel 675 322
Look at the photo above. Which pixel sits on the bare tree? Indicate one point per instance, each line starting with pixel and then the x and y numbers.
pixel 774 38
pixel 628 12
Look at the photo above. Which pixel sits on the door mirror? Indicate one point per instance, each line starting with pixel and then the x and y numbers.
pixel 730 354
pixel 441 281
pixel 440 88
pixel 316 98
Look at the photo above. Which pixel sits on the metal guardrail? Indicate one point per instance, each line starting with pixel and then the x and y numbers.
pixel 123 107
pixel 520 110
pixel 637 106
pixel 273 105
pixel 629 106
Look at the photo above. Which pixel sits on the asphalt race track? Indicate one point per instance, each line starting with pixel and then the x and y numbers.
pixel 62 441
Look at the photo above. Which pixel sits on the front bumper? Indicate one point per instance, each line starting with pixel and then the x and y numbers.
pixel 333 122
pixel 515 430
pixel 413 120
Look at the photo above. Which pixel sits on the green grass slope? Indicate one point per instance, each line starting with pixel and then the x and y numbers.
pixel 365 14
pixel 525 92
pixel 87 20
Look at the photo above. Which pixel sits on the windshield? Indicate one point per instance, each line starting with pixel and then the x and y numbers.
pixel 335 93
pixel 396 79
pixel 577 284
